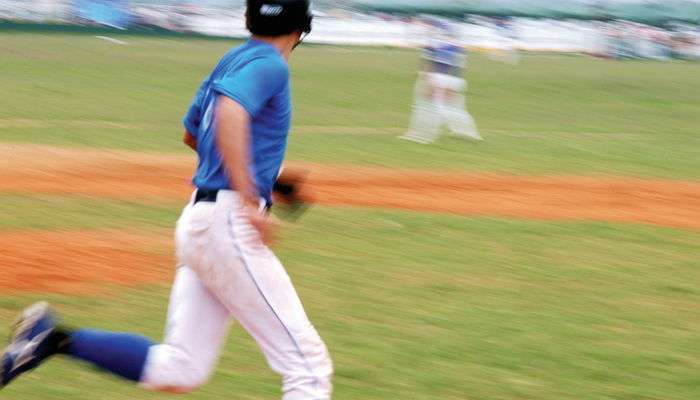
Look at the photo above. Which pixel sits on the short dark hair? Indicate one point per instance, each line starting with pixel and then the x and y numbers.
pixel 278 17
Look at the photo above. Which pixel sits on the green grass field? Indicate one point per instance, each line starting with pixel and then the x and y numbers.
pixel 412 305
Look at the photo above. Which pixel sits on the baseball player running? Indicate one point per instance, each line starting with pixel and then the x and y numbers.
pixel 238 124
pixel 439 94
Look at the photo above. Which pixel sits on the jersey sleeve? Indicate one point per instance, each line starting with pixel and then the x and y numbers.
pixel 254 84
pixel 194 114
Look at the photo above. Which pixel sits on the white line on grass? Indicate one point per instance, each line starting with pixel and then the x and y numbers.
pixel 113 40
pixel 390 222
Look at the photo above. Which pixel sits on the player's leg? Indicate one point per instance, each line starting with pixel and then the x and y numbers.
pixel 197 325
pixel 197 321
pixel 289 341
pixel 425 118
pixel 196 328
pixel 459 121
pixel 248 278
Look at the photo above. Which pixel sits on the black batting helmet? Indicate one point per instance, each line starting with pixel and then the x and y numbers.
pixel 278 17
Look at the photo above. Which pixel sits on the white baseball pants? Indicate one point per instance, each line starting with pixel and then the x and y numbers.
pixel 226 271
pixel 446 105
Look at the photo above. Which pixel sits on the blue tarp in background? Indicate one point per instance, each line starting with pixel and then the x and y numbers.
pixel 106 12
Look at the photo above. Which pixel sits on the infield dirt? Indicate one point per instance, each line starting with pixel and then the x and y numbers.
pixel 68 262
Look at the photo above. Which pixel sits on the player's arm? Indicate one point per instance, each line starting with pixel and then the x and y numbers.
pixel 189 140
pixel 233 142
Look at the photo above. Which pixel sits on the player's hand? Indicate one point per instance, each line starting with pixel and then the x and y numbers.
pixel 260 221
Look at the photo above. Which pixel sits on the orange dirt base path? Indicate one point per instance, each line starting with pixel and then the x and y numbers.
pixel 83 262
pixel 71 262
pixel 564 198
pixel 148 177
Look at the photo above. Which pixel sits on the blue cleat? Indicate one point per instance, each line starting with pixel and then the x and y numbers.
pixel 31 343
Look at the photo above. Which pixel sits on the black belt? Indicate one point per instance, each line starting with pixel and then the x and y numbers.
pixel 210 195
pixel 205 195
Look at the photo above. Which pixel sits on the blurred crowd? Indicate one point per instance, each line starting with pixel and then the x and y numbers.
pixel 605 39
pixel 627 40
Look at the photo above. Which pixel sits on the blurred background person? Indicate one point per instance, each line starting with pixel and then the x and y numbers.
pixel 438 97
pixel 504 45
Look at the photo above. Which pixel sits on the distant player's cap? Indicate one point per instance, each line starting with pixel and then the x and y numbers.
pixel 278 17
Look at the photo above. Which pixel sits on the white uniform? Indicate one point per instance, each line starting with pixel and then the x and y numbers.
pixel 439 96
pixel 226 271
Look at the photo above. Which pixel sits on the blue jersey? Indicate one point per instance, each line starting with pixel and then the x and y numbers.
pixel 444 57
pixel 257 77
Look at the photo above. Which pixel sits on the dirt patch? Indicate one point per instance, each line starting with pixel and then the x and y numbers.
pixel 149 176
pixel 45 169
pixel 72 262
pixel 82 262
pixel 646 201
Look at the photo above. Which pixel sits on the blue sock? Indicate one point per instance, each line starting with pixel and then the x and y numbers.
pixel 121 353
